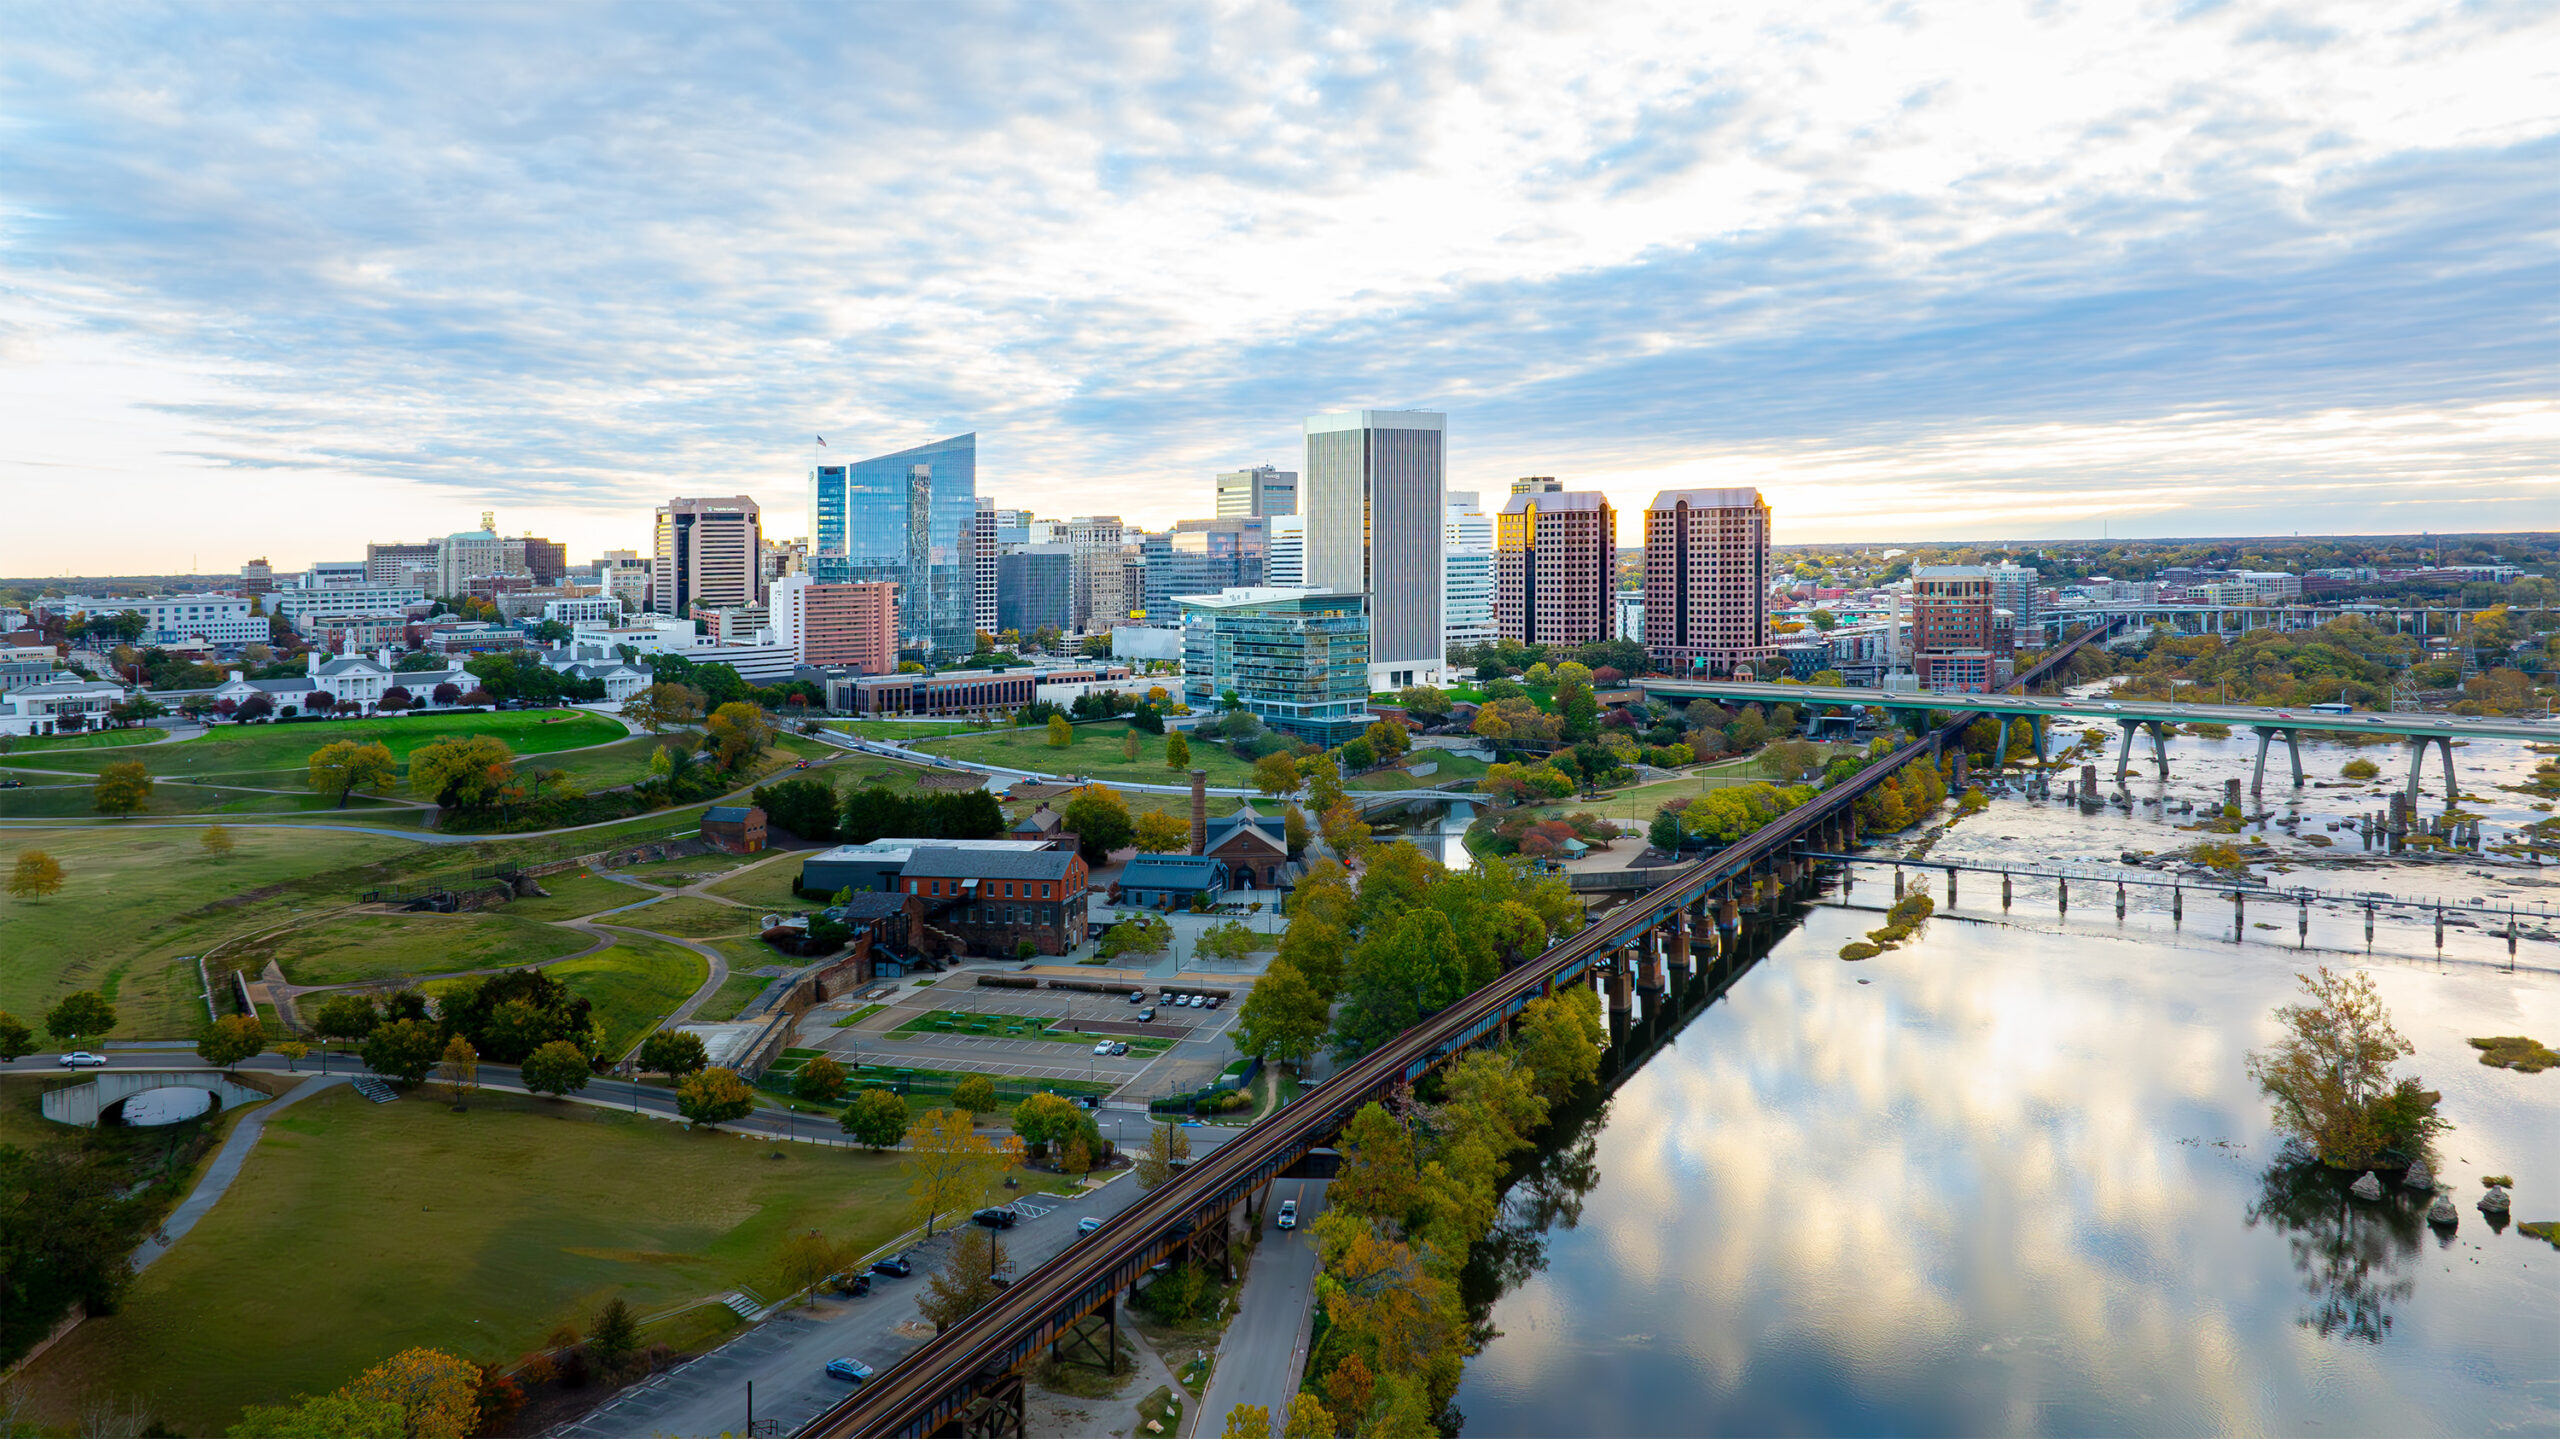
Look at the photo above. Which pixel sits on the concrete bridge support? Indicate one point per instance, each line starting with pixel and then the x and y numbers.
pixel 2159 747
pixel 2000 756
pixel 1681 963
pixel 2418 764
pixel 2293 747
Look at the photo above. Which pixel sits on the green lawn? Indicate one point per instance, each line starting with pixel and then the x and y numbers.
pixel 46 797
pixel 95 739
pixel 358 1229
pixel 271 752
pixel 1095 754
pixel 634 986
pixel 136 903
pixel 731 996
pixel 574 895
pixel 361 948
pixel 689 918
pixel 677 873
pixel 767 885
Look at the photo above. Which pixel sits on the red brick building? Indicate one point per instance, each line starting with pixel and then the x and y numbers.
pixel 1555 560
pixel 990 902
pixel 1706 582
pixel 739 829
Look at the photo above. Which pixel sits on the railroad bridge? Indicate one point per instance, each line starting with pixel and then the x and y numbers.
pixel 1677 945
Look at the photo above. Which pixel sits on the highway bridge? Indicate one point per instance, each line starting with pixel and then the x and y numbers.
pixel 2419 732
pixel 1692 931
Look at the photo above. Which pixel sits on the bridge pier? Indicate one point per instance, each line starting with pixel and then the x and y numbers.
pixel 2418 763
pixel 1679 938
pixel 2293 748
pixel 2159 746
pixel 2000 760
pixel 1621 1000
pixel 2239 917
pixel 996 1411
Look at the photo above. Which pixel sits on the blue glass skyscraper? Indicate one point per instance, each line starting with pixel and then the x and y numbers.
pixel 903 518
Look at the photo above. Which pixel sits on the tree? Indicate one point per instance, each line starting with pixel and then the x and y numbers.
pixel 1424 701
pixel 293 1050
pixel 458 1069
pixel 976 1094
pixel 714 1096
pixel 38 875
pixel 949 1164
pixel 1293 831
pixel 1248 1421
pixel 1308 1418
pixel 465 772
pixel 1177 751
pixel 1041 1120
pixel 614 1335
pixel 323 1416
pixel 1168 1145
pixel 673 1053
pixel 1345 832
pixel 231 1039
pixel 345 1017
pixel 16 1039
pixel 1100 822
pixel 1276 774
pixel 446 693
pixel 343 767
pixel 1144 936
pixel 739 733
pixel 2329 1079
pixel 1061 734
pixel 557 1068
pixel 438 1394
pixel 966 1283
pixel 877 1118
pixel 121 788
pixel 1129 745
pixel 79 1015
pixel 216 841
pixel 806 807
pixel 657 709
pixel 403 1049
pixel 821 1079
pixel 1388 739
pixel 1284 1018
pixel 1161 833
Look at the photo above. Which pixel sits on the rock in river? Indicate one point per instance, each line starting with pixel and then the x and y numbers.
pixel 2442 1214
pixel 2366 1187
pixel 2419 1177
pixel 2495 1201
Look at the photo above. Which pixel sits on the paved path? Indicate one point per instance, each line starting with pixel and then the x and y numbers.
pixel 225 1168
pixel 1265 1347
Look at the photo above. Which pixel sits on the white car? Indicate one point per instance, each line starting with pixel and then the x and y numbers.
pixel 1288 1214
pixel 1088 1224
pixel 1103 1048
pixel 83 1059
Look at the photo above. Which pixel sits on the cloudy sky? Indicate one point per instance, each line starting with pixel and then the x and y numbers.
pixel 281 279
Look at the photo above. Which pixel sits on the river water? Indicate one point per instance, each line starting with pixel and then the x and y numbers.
pixel 2012 1178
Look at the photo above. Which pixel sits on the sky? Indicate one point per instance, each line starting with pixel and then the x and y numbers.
pixel 277 280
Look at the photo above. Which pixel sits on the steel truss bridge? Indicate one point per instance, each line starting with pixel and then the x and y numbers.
pixel 1695 932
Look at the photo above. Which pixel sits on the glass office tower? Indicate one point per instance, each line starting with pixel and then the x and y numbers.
pixel 906 519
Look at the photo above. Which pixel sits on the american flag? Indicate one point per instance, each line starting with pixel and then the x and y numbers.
pixel 822 442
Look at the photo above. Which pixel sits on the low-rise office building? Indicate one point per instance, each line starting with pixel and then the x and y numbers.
pixel 992 902
pixel 1297 658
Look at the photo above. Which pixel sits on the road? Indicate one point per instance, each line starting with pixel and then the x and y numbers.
pixel 1264 1350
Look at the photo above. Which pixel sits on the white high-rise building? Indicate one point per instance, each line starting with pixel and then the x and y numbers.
pixel 984 522
pixel 1375 508
pixel 1261 490
pixel 1287 567
pixel 1466 569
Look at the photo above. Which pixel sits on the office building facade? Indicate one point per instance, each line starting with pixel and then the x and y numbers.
pixel 1262 491
pixel 1035 590
pixel 1375 494
pixel 1706 582
pixel 1299 659
pixel 1287 567
pixel 1100 586
pixel 1466 569
pixel 1199 557
pixel 394 564
pixel 852 626
pixel 983 549
pixel 1961 639
pixel 1555 566
pixel 905 519
pixel 708 555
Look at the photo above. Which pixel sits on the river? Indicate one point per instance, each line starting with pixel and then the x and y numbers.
pixel 2012 1178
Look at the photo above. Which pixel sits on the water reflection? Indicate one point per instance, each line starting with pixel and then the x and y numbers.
pixel 2352 1254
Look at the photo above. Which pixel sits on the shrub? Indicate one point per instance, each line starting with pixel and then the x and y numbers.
pixel 2361 768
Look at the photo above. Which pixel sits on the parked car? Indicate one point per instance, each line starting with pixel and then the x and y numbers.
pixel 1120 1047
pixel 1288 1214
pixel 1147 1014
pixel 998 1217
pixel 1137 996
pixel 1191 1001
pixel 1102 1047
pixel 850 1285
pixel 852 1371
pixel 895 1266
pixel 83 1059
pixel 1216 999
pixel 1088 1224
pixel 1166 997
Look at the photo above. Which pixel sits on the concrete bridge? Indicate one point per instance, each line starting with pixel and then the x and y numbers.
pixel 2418 732
pixel 82 1103
pixel 1695 932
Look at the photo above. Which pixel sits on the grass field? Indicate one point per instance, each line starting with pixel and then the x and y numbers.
pixel 634 986
pixel 768 884
pixel 572 896
pixel 95 739
pixel 730 997
pixel 279 753
pixel 49 797
pixel 677 873
pixel 1095 754
pixel 357 1229
pixel 688 918
pixel 360 948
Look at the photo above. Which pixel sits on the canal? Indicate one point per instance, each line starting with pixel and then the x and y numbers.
pixel 2013 1178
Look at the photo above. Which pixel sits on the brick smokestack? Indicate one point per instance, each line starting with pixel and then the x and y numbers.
pixel 1199 811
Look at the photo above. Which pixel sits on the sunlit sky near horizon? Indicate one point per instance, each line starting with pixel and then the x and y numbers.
pixel 282 279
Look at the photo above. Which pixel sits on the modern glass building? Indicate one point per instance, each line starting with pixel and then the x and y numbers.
pixel 1374 496
pixel 1198 557
pixel 905 518
pixel 1299 659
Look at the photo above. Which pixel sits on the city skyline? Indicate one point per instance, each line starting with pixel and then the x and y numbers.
pixel 2230 270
